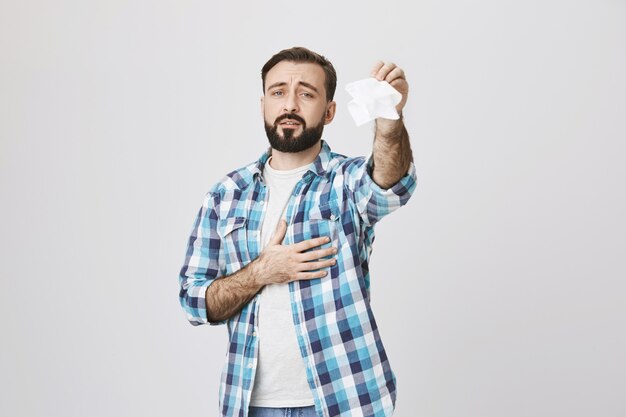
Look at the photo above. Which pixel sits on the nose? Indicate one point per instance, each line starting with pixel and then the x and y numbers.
pixel 291 104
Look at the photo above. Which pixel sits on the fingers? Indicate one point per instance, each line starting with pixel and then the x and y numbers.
pixel 311 243
pixel 396 73
pixel 284 263
pixel 311 266
pixel 279 233
pixel 310 275
pixel 317 254
pixel 384 70
pixel 387 71
pixel 376 69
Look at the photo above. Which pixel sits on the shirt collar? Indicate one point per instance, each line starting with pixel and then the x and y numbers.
pixel 319 167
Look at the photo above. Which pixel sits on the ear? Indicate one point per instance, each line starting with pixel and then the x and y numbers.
pixel 262 110
pixel 330 112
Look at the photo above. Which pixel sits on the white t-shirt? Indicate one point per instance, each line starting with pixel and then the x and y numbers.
pixel 280 379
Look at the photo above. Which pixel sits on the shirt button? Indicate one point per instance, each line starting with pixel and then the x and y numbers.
pixel 254 334
pixel 250 365
pixel 333 217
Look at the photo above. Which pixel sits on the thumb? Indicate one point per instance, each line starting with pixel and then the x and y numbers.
pixel 279 233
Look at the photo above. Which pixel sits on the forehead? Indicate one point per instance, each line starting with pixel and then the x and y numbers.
pixel 290 72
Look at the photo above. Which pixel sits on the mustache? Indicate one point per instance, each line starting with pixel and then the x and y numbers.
pixel 291 117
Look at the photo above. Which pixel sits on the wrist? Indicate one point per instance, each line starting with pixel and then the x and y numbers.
pixel 255 272
pixel 388 128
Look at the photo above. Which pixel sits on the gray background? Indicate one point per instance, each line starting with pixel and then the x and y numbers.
pixel 499 289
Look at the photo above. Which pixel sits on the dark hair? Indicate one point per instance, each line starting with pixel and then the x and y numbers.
pixel 300 54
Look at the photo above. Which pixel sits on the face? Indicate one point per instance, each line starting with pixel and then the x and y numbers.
pixel 294 106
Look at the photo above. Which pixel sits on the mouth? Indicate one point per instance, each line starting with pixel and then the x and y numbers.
pixel 289 124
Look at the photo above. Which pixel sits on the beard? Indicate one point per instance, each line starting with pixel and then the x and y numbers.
pixel 290 143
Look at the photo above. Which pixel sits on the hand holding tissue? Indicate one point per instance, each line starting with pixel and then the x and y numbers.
pixel 371 99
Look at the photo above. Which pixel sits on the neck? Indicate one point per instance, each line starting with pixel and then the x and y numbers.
pixel 292 160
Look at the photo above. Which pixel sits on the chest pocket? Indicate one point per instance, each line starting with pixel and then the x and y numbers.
pixel 321 220
pixel 234 244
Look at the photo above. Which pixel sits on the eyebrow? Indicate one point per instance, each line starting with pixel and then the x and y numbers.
pixel 303 83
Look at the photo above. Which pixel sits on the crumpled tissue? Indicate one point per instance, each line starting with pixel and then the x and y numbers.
pixel 372 98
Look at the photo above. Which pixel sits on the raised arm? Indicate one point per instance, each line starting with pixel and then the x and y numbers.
pixel 392 149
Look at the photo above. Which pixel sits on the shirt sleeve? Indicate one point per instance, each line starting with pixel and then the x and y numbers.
pixel 201 266
pixel 372 201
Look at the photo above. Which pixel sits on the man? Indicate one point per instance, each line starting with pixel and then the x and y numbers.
pixel 280 251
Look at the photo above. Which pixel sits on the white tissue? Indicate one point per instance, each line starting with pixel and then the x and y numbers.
pixel 372 99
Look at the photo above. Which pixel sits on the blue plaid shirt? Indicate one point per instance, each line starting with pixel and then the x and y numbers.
pixel 346 364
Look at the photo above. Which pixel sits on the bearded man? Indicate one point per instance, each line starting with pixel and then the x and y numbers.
pixel 280 251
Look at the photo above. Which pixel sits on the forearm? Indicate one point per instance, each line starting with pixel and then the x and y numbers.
pixel 227 295
pixel 392 152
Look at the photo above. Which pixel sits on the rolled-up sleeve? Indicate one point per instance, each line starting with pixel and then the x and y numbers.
pixel 372 201
pixel 201 266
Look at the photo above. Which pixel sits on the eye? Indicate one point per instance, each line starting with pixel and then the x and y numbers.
pixel 277 93
pixel 307 95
